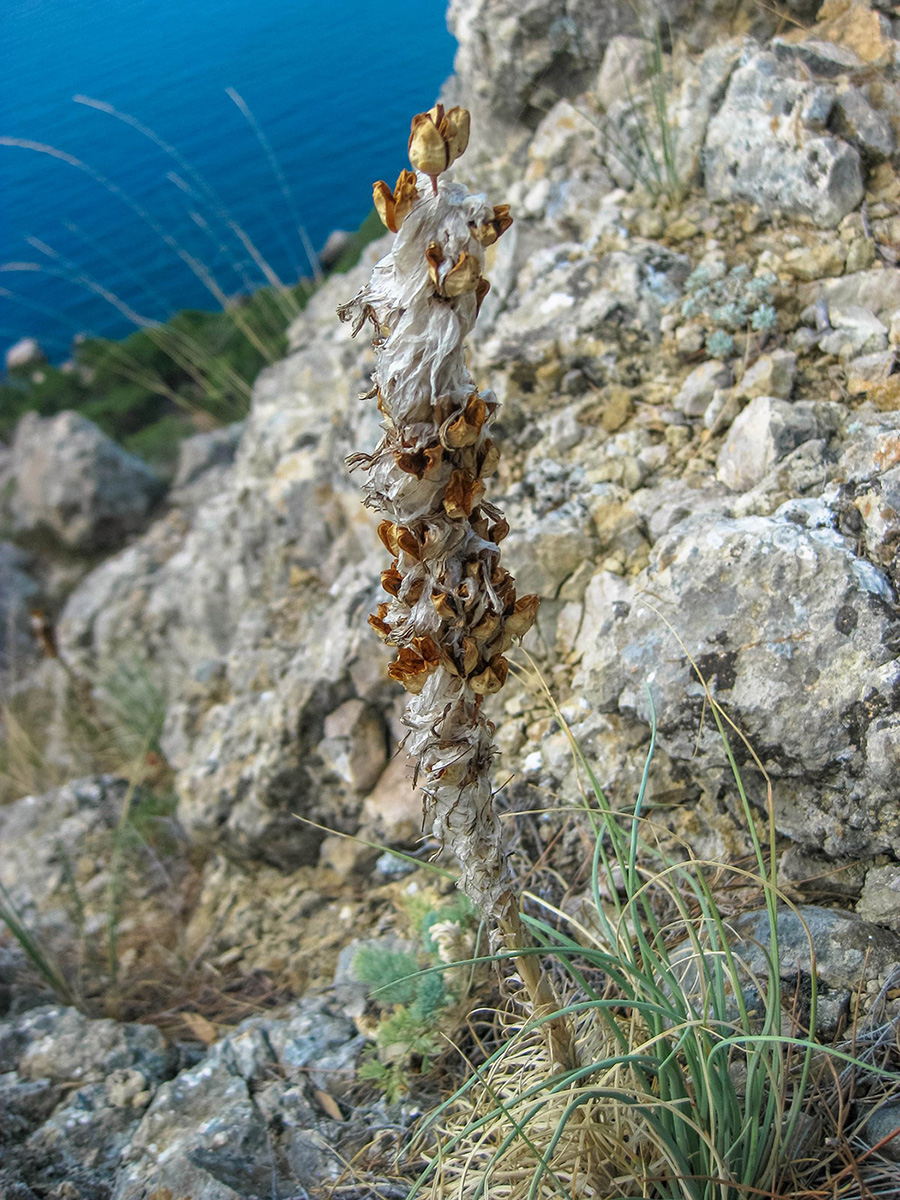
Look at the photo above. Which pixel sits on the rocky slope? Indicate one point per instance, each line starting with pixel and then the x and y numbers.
pixel 693 329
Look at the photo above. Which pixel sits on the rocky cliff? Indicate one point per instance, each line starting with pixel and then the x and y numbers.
pixel 693 330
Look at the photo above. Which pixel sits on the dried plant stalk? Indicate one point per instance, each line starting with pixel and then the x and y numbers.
pixel 452 610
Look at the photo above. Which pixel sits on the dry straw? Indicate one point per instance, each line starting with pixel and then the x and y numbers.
pixel 452 609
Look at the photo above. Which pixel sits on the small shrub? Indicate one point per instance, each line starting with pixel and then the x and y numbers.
pixel 420 997
pixel 729 302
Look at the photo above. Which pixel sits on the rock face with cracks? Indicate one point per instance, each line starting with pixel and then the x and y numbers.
pixel 797 637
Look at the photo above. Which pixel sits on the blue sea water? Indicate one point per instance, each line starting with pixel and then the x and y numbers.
pixel 332 85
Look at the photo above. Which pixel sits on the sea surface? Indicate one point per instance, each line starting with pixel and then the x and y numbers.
pixel 108 234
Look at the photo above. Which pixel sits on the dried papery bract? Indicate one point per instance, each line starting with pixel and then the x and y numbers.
pixel 452 610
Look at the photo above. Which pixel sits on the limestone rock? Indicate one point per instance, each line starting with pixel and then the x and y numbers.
pixel 551 531
pixel 245 1121
pixel 765 432
pixel 698 99
pixel 43 835
pixel 627 63
pixel 67 1047
pixel 202 457
pixel 355 744
pixel 880 899
pixel 60 1126
pixel 542 47
pixel 698 389
pixel 884 1123
pixel 76 484
pixel 863 126
pixel 876 290
pixel 392 812
pixel 820 260
pixel 757 148
pixel 795 635
pixel 565 295
pixel 771 375
pixel 18 649
pixel 823 59
pixel 849 951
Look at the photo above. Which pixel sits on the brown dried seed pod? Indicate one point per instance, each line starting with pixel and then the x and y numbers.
pixel 391 580
pixel 463 276
pixel 490 459
pixel 462 495
pixel 464 428
pixel 522 616
pixel 378 623
pixel 443 606
pixel 492 678
pixel 387 531
pixel 482 287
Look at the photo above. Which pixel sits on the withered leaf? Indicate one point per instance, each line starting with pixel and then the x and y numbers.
pixel 201 1027
pixel 329 1105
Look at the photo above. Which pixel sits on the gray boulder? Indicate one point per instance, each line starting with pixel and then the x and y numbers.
pixel 202 453
pixel 69 833
pixel 515 56
pixel 766 145
pixel 797 638
pixel 75 484
pixel 72 1091
pixel 246 1121
pixel 701 385
pixel 253 607
pixel 93 1108
pixel 877 290
pixel 852 958
pixel 766 432
pixel 18 591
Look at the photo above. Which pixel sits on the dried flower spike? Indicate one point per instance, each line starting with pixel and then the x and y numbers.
pixel 451 609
